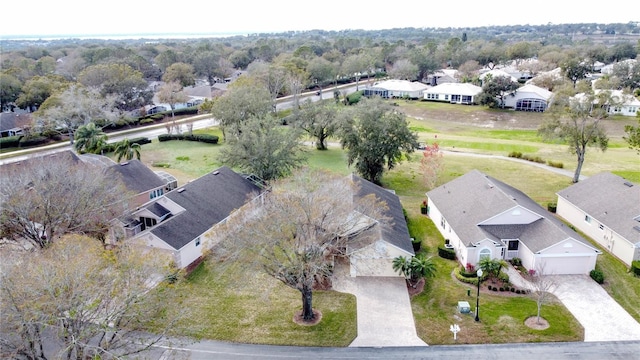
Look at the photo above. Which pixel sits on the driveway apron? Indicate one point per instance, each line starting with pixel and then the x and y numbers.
pixel 385 318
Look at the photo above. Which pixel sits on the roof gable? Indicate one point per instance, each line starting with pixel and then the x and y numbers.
pixel 611 200
pixel 517 215
pixel 207 201
pixel 395 232
pixel 455 89
pixel 136 176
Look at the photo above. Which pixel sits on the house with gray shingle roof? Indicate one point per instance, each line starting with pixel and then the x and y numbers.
pixel 374 257
pixel 480 216
pixel 180 221
pixel 141 181
pixel 605 207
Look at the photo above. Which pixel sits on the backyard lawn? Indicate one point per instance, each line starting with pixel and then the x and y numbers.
pixel 237 306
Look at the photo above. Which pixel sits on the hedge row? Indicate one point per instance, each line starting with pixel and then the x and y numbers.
pixel 10 141
pixel 446 253
pixel 469 280
pixel 537 159
pixel 138 140
pixel 205 138
pixel 635 267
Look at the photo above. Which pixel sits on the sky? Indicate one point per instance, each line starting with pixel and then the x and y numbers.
pixel 65 17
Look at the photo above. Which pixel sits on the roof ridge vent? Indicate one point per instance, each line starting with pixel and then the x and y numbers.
pixel 629 184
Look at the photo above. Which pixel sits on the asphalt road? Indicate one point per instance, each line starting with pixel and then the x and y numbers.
pixel 548 351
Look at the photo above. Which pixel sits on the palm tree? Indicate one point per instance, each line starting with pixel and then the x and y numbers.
pixel 126 149
pixel 415 269
pixel 401 265
pixel 90 139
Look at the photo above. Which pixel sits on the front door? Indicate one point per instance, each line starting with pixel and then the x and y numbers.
pixel 512 249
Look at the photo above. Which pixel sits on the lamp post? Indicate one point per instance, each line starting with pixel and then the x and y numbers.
pixel 479 273
pixel 357 75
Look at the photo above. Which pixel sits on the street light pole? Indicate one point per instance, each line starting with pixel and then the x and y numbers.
pixel 479 273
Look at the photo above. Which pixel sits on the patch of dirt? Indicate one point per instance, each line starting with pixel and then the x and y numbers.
pixel 317 316
pixel 533 323
pixel 417 289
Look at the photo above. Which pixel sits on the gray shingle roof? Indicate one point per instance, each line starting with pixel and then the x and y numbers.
pixel 609 199
pixel 207 201
pixel 136 176
pixel 395 232
pixel 468 200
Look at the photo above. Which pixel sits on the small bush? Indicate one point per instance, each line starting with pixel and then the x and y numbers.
pixel 504 277
pixel 446 253
pixel 494 288
pixel 516 261
pixel 501 289
pixel 33 141
pixel 555 164
pixel 635 267
pixel 552 207
pixel 10 142
pixel 182 158
pixel 518 291
pixel 597 276
pixel 140 140
pixel 515 154
pixel 513 289
pixel 146 121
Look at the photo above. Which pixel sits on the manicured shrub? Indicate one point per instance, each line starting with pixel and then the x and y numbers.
pixel 468 280
pixel 515 154
pixel 147 121
pixel 495 288
pixel 552 207
pixel 10 141
pixel 33 141
pixel 140 140
pixel 635 267
pixel 516 261
pixel 206 138
pixel 513 289
pixel 504 277
pixel 446 253
pixel 597 276
pixel 518 291
pixel 501 289
pixel 555 164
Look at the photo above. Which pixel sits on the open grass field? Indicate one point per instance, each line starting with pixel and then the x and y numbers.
pixel 252 308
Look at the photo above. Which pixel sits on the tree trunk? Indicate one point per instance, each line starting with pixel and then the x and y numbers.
pixel 307 299
pixel 576 175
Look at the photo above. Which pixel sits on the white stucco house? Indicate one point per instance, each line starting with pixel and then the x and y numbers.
pixel 180 221
pixel 606 207
pixel 496 73
pixel 625 104
pixel 386 240
pixel 528 98
pixel 396 89
pixel 455 93
pixel 481 216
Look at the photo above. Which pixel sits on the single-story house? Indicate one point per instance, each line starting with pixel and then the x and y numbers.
pixel 374 257
pixel 443 76
pixel 480 216
pixel 528 98
pixel 396 89
pixel 606 207
pixel 626 104
pixel 455 93
pixel 180 221
pixel 494 73
pixel 14 123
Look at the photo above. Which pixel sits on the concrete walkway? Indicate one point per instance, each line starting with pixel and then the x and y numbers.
pixel 385 318
pixel 602 318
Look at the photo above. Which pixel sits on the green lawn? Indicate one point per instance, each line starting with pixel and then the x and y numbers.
pixel 253 308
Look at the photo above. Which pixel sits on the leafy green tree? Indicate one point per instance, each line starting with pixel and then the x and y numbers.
pixel 265 148
pixel 127 150
pixel 119 80
pixel 90 139
pixel 245 98
pixel 494 90
pixel 576 120
pixel 10 88
pixel 181 73
pixel 633 136
pixel 574 70
pixel 38 89
pixel 376 135
pixel 319 120
pixel 207 64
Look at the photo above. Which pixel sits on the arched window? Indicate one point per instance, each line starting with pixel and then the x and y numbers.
pixel 484 253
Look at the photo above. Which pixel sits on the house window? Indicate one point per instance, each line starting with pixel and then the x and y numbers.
pixel 446 97
pixel 197 241
pixel 601 227
pixel 443 223
pixel 455 98
pixel 513 245
pixel 587 219
pixel 466 99
pixel 155 193
pixel 484 253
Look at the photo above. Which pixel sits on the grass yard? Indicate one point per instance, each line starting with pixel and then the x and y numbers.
pixel 253 308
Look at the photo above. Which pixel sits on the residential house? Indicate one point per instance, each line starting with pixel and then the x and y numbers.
pixel 496 73
pixel 605 207
pixel 455 93
pixel 480 216
pixel 14 123
pixel 396 89
pixel 142 181
pixel 180 221
pixel 443 76
pixel 625 104
pixel 528 98
pixel 374 256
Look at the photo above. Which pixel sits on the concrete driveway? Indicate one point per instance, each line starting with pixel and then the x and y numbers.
pixel 385 318
pixel 602 318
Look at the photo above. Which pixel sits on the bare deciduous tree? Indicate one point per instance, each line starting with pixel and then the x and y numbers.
pixel 79 301
pixel 542 287
pixel 44 198
pixel 301 224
